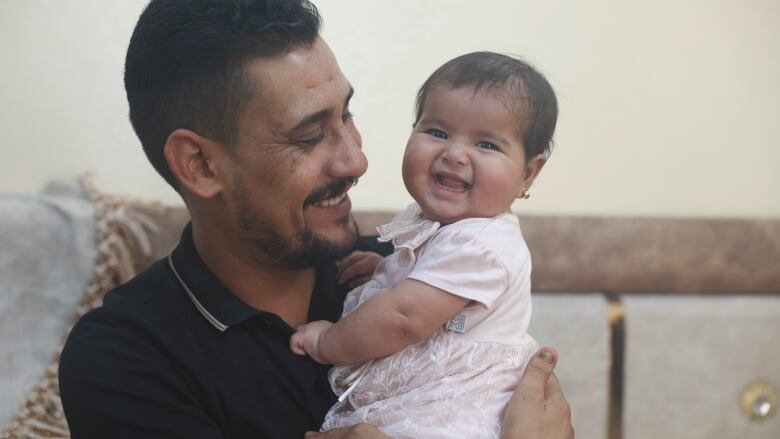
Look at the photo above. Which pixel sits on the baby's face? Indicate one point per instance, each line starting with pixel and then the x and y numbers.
pixel 465 157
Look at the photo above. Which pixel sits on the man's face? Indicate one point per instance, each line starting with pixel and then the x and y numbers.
pixel 298 154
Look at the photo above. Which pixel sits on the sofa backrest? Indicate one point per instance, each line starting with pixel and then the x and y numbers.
pixel 658 255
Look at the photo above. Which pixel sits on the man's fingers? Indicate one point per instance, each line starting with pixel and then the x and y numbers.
pixel 553 386
pixel 538 408
pixel 539 369
pixel 553 395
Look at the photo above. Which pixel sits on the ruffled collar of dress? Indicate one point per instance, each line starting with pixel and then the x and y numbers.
pixel 408 229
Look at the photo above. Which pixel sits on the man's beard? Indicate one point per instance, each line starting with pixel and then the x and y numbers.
pixel 305 250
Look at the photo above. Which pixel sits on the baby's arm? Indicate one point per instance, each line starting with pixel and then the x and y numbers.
pixel 391 320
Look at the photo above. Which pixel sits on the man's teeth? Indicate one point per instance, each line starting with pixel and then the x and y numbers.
pixel 330 202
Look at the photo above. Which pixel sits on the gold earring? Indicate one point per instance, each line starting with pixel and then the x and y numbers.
pixel 526 194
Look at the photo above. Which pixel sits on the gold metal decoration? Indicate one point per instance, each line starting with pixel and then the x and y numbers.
pixel 759 401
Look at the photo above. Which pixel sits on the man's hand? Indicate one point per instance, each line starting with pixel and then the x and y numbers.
pixel 357 268
pixel 360 431
pixel 538 409
pixel 306 341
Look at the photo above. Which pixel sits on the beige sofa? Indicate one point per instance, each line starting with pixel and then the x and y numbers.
pixel 665 327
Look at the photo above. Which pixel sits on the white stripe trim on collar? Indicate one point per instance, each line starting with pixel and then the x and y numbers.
pixel 221 327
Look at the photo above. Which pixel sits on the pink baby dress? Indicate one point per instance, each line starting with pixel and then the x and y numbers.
pixel 458 382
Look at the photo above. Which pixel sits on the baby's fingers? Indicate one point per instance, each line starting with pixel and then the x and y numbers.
pixel 362 266
pixel 358 281
pixel 296 344
pixel 350 259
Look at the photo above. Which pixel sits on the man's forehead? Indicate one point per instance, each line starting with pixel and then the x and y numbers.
pixel 294 84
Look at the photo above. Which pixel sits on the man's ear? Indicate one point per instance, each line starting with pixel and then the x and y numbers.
pixel 191 158
pixel 532 168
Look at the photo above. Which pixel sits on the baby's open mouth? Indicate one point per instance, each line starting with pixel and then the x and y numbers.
pixel 451 182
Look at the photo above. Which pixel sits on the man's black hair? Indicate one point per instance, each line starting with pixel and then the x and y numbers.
pixel 516 83
pixel 185 64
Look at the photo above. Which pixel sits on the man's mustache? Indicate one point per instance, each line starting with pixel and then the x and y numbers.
pixel 336 187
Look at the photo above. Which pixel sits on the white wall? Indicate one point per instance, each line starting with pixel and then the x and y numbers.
pixel 668 108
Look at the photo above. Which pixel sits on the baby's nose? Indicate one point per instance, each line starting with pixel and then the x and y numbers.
pixel 456 154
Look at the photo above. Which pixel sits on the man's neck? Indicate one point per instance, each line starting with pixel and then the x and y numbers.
pixel 261 284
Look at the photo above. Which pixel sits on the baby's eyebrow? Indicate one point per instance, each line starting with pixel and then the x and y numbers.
pixel 432 121
pixel 493 136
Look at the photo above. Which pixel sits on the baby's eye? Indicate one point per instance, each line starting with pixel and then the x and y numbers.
pixel 439 134
pixel 488 145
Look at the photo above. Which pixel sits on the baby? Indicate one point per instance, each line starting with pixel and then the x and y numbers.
pixel 434 343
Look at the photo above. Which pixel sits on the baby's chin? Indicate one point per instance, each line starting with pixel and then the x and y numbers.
pixel 445 218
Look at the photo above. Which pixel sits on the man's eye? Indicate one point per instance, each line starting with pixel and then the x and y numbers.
pixel 488 145
pixel 439 134
pixel 312 141
pixel 347 115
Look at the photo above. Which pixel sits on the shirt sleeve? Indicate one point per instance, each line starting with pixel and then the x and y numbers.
pixel 114 384
pixel 459 262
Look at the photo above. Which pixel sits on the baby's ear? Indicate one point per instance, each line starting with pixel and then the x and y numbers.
pixel 532 168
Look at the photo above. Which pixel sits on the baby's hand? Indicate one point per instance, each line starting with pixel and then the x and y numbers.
pixel 306 341
pixel 357 268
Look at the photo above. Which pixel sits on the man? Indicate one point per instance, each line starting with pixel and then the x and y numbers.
pixel 242 108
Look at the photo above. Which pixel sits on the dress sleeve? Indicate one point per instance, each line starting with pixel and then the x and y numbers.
pixel 462 264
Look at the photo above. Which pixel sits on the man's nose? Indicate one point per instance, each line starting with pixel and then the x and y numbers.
pixel 350 160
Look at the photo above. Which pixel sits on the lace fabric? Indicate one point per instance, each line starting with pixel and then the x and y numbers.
pixel 435 388
pixel 409 229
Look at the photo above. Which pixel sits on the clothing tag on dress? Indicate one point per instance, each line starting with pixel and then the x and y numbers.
pixel 457 324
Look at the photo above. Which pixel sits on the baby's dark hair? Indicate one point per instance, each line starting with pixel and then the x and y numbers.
pixel 523 89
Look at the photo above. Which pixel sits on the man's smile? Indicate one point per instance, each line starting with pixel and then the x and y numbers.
pixel 331 195
pixel 330 202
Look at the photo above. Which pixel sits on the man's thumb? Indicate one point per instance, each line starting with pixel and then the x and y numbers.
pixel 538 370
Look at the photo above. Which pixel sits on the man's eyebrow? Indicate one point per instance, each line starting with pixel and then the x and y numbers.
pixel 312 119
pixel 315 118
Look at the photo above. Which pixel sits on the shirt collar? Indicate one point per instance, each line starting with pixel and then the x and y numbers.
pixel 223 309
pixel 218 305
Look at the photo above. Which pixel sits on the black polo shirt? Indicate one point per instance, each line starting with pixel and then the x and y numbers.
pixel 174 354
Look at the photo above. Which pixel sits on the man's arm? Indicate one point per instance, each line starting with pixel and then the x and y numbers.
pixel 112 385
